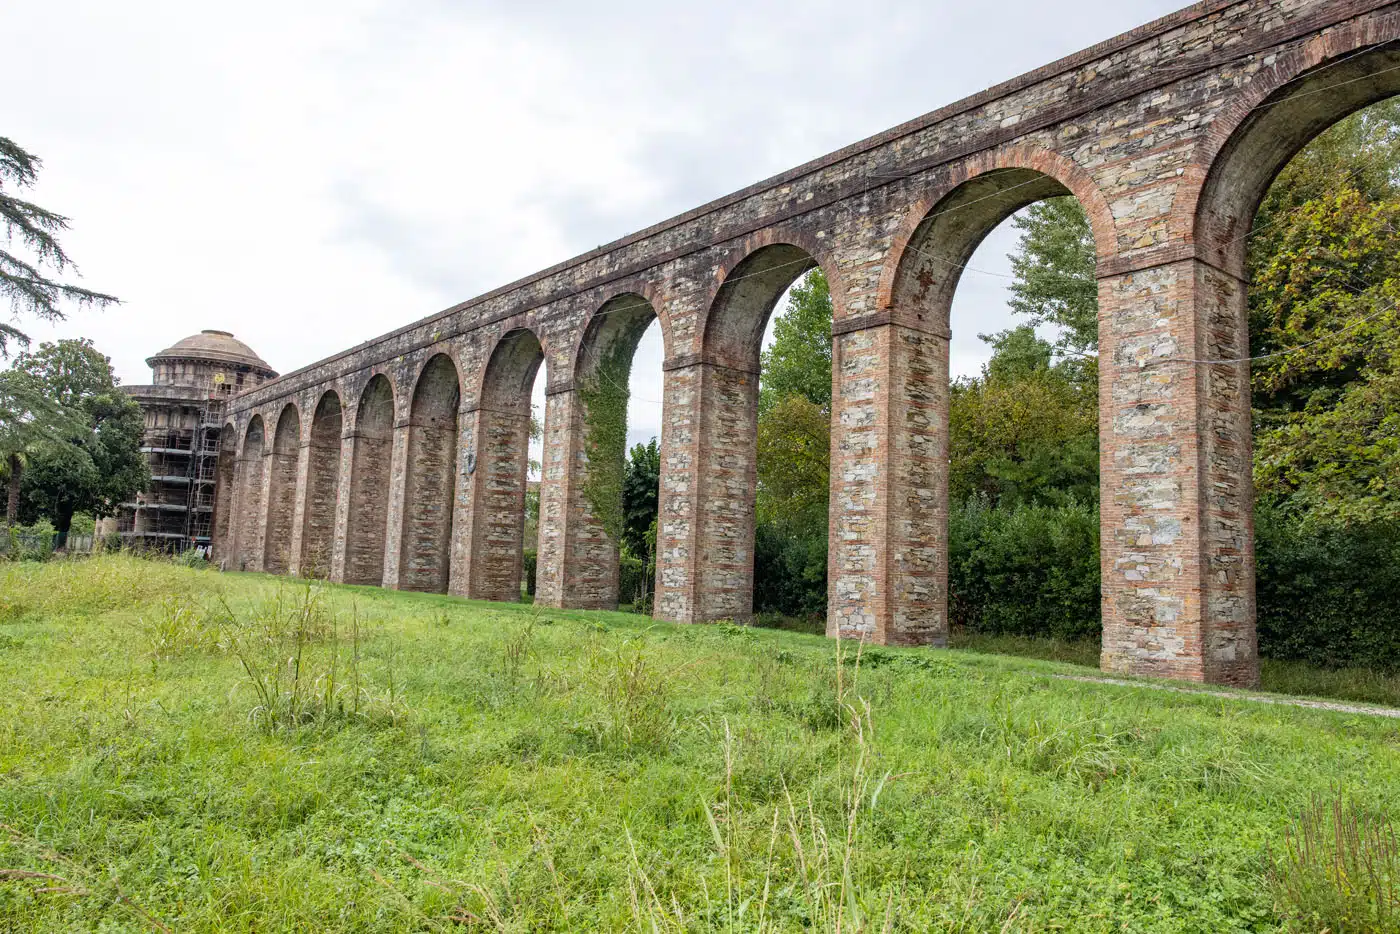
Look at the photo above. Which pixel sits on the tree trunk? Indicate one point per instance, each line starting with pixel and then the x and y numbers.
pixel 12 502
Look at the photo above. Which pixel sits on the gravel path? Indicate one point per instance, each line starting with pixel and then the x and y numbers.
pixel 1244 696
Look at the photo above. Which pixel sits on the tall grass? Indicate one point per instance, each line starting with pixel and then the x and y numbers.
pixel 195 735
pixel 1339 870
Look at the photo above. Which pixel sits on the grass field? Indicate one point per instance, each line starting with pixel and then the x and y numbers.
pixel 190 751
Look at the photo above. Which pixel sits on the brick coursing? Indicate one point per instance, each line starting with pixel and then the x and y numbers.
pixel 1167 135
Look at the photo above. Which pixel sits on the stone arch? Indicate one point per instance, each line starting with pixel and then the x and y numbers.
pixel 726 453
pixel 747 292
pixel 322 486
pixel 929 254
pixel 1279 112
pixel 940 233
pixel 498 465
pixel 225 486
pixel 430 478
pixel 282 491
pixel 371 463
pixel 248 523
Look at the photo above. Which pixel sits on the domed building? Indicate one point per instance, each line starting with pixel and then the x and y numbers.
pixel 184 408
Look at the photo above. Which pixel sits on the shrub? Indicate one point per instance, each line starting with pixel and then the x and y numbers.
pixel 633 588
pixel 192 558
pixel 30 543
pixel 1028 570
pixel 790 569
pixel 1326 592
pixel 530 567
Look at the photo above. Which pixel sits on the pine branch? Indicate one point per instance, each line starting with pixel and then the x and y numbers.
pixel 31 291
pixel 17 165
pixel 9 332
pixel 36 227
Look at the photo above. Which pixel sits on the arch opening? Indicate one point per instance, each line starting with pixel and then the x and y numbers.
pixel 322 488
pixel 728 478
pixel 282 491
pixel 612 545
pixel 1005 426
pixel 430 480
pixel 498 469
pixel 250 496
pixel 371 464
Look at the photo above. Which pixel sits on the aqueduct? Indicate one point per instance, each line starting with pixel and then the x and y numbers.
pixel 402 462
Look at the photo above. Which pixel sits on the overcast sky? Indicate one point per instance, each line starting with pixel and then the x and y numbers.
pixel 310 174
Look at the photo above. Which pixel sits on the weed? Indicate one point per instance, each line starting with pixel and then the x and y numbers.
pixel 1339 869
pixel 517 651
pixel 305 671
pixel 180 625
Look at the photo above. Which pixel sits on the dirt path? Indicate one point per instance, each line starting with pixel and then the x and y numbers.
pixel 1369 710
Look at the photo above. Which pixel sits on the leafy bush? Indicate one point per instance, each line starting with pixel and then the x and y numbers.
pixel 531 567
pixel 1326 592
pixel 790 569
pixel 632 587
pixel 192 558
pixel 1028 570
pixel 31 542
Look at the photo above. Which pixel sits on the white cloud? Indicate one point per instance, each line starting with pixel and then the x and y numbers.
pixel 311 175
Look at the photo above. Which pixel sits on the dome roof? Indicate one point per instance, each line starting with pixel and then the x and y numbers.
pixel 218 346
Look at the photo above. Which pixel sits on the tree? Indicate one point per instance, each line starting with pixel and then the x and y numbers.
pixel 1054 266
pixel 28 417
pixel 1026 430
pixel 794 455
pixel 641 496
pixel 799 361
pixel 97 466
pixel 29 290
pixel 1327 426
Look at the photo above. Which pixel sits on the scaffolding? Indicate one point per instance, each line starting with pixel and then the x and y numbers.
pixel 204 473
pixel 177 511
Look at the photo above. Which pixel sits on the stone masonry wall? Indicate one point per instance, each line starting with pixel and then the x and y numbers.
pixel 1163 134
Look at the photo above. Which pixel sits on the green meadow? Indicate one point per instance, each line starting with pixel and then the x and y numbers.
pixel 185 750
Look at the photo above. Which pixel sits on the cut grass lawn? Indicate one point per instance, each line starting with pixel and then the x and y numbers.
pixel 241 753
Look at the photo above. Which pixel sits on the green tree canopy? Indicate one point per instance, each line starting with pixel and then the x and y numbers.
pixel 1026 430
pixel 97 465
pixel 798 363
pixel 35 229
pixel 641 491
pixel 1327 439
pixel 1054 267
pixel 29 416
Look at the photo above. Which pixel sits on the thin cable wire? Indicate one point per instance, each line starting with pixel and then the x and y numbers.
pixel 1252 232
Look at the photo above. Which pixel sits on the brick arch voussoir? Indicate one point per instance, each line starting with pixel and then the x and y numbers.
pixel 641 287
pixel 350 410
pixel 1288 67
pixel 524 321
pixel 776 235
pixel 1047 162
